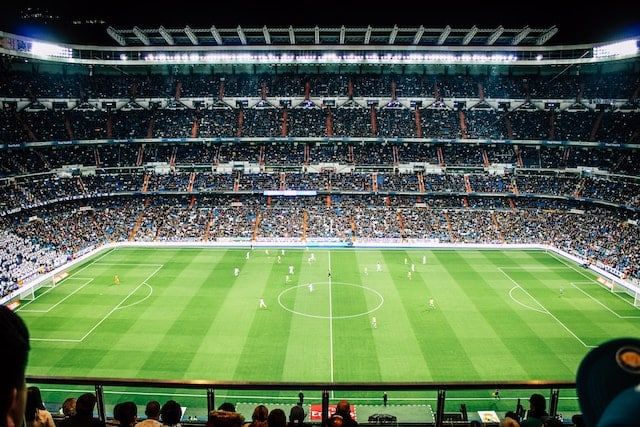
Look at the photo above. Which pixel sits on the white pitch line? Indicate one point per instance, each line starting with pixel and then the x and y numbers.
pixel 545 309
pixel 330 323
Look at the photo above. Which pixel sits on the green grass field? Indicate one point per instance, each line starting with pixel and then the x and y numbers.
pixel 181 313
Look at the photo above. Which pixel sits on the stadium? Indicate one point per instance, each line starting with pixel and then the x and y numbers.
pixel 253 215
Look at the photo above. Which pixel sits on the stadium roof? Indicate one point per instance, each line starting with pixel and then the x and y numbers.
pixel 327 36
pixel 254 22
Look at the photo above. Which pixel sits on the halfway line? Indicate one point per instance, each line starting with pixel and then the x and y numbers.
pixel 330 322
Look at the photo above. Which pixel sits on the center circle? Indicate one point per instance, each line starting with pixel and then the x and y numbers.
pixel 328 300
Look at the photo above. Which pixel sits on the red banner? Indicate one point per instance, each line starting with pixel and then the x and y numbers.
pixel 316 412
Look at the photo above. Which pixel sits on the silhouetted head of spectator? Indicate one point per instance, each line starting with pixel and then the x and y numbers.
pixel 227 406
pixel 69 406
pixel 126 413
pixel 170 413
pixel 277 418
pixel 152 410
pixel 608 384
pixel 296 416
pixel 85 404
pixel 538 404
pixel 343 408
pixel 14 340
pixel 260 413
pixel 577 420
pixel 34 403
pixel 225 419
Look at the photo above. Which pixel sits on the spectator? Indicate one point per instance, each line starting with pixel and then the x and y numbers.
pixel 152 411
pixel 296 416
pixel 126 413
pixel 222 418
pixel 343 409
pixel 537 414
pixel 277 418
pixel 227 406
pixel 14 337
pixel 171 413
pixel 608 384
pixel 85 405
pixel 68 407
pixel 259 416
pixel 36 413
pixel 577 420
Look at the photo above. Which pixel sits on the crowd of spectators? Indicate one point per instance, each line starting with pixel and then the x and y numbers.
pixel 390 118
pixel 39 238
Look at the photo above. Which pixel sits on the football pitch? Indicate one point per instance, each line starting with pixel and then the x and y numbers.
pixel 188 314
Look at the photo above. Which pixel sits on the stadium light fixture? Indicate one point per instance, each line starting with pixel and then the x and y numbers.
pixel 627 47
pixel 316 32
pixel 343 31
pixel 50 50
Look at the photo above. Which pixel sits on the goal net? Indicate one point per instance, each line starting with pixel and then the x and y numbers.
pixel 623 288
pixel 30 292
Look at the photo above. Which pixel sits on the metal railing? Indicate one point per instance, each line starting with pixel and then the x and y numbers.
pixel 209 388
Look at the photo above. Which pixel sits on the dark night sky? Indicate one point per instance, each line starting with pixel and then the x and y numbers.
pixel 577 22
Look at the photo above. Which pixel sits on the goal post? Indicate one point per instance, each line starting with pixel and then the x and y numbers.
pixel 59 278
pixel 29 293
pixel 623 288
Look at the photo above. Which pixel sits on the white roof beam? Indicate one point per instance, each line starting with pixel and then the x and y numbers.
pixel 445 33
pixel 470 35
pixel 116 36
pixel 141 36
pixel 495 35
pixel 419 34
pixel 343 31
pixel 165 35
pixel 367 35
pixel 394 34
pixel 216 34
pixel 266 34
pixel 192 36
pixel 546 36
pixel 243 37
pixel 521 35
pixel 292 35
